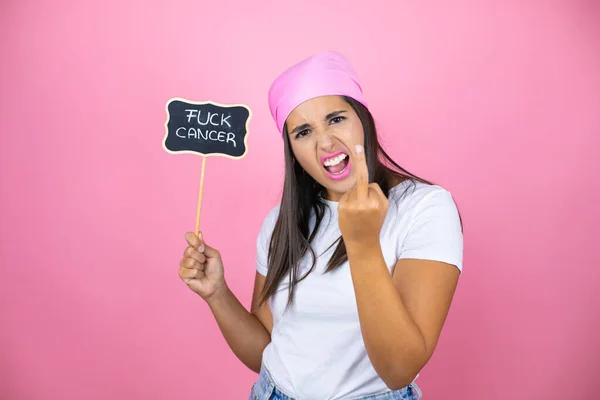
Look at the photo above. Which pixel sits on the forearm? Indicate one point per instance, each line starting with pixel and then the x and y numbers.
pixel 243 332
pixel 393 341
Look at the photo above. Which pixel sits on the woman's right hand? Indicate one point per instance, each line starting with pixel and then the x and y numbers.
pixel 202 268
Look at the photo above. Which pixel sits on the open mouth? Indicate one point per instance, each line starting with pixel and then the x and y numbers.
pixel 337 165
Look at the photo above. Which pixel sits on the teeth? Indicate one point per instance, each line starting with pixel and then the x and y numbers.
pixel 334 161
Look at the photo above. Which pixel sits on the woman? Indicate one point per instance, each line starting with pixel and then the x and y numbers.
pixel 356 267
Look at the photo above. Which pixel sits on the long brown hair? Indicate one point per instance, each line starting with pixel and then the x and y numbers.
pixel 291 238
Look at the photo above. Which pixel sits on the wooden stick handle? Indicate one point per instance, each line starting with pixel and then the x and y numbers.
pixel 200 195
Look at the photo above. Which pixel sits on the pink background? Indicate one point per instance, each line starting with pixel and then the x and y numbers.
pixel 497 101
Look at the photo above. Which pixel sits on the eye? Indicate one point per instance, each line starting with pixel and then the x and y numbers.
pixel 301 134
pixel 337 119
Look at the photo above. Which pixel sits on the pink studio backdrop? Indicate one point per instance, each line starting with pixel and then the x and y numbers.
pixel 497 101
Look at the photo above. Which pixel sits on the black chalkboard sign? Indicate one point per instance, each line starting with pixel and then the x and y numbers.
pixel 206 128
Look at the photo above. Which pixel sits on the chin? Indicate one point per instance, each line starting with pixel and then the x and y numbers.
pixel 339 187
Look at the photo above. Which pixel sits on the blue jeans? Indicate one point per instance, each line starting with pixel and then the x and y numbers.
pixel 265 389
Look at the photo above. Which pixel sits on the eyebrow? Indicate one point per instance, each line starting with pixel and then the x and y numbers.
pixel 332 114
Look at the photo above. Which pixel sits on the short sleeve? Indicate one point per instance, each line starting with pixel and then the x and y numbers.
pixel 435 232
pixel 263 240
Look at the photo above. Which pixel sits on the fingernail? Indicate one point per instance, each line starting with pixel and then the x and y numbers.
pixel 359 148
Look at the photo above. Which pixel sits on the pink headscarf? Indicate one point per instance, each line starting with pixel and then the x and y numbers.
pixel 325 73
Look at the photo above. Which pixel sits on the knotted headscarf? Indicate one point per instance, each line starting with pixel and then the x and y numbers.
pixel 325 73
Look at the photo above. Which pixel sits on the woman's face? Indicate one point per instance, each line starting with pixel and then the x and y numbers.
pixel 323 133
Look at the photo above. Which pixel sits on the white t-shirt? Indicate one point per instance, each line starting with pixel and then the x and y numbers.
pixel 317 350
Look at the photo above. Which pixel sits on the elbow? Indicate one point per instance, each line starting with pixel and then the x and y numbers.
pixel 255 369
pixel 253 365
pixel 399 365
pixel 397 375
pixel 397 382
pixel 397 385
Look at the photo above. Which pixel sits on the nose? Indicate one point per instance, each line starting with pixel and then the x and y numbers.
pixel 325 140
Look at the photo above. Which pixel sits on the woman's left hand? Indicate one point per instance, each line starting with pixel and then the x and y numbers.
pixel 362 209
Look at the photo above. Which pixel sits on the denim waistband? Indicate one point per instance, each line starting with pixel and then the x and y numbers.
pixel 265 388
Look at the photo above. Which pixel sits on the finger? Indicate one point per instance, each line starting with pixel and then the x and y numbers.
pixel 209 251
pixel 197 274
pixel 345 199
pixel 191 252
pixel 190 263
pixel 192 239
pixel 376 189
pixel 198 243
pixel 187 273
pixel 362 173
pixel 351 195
